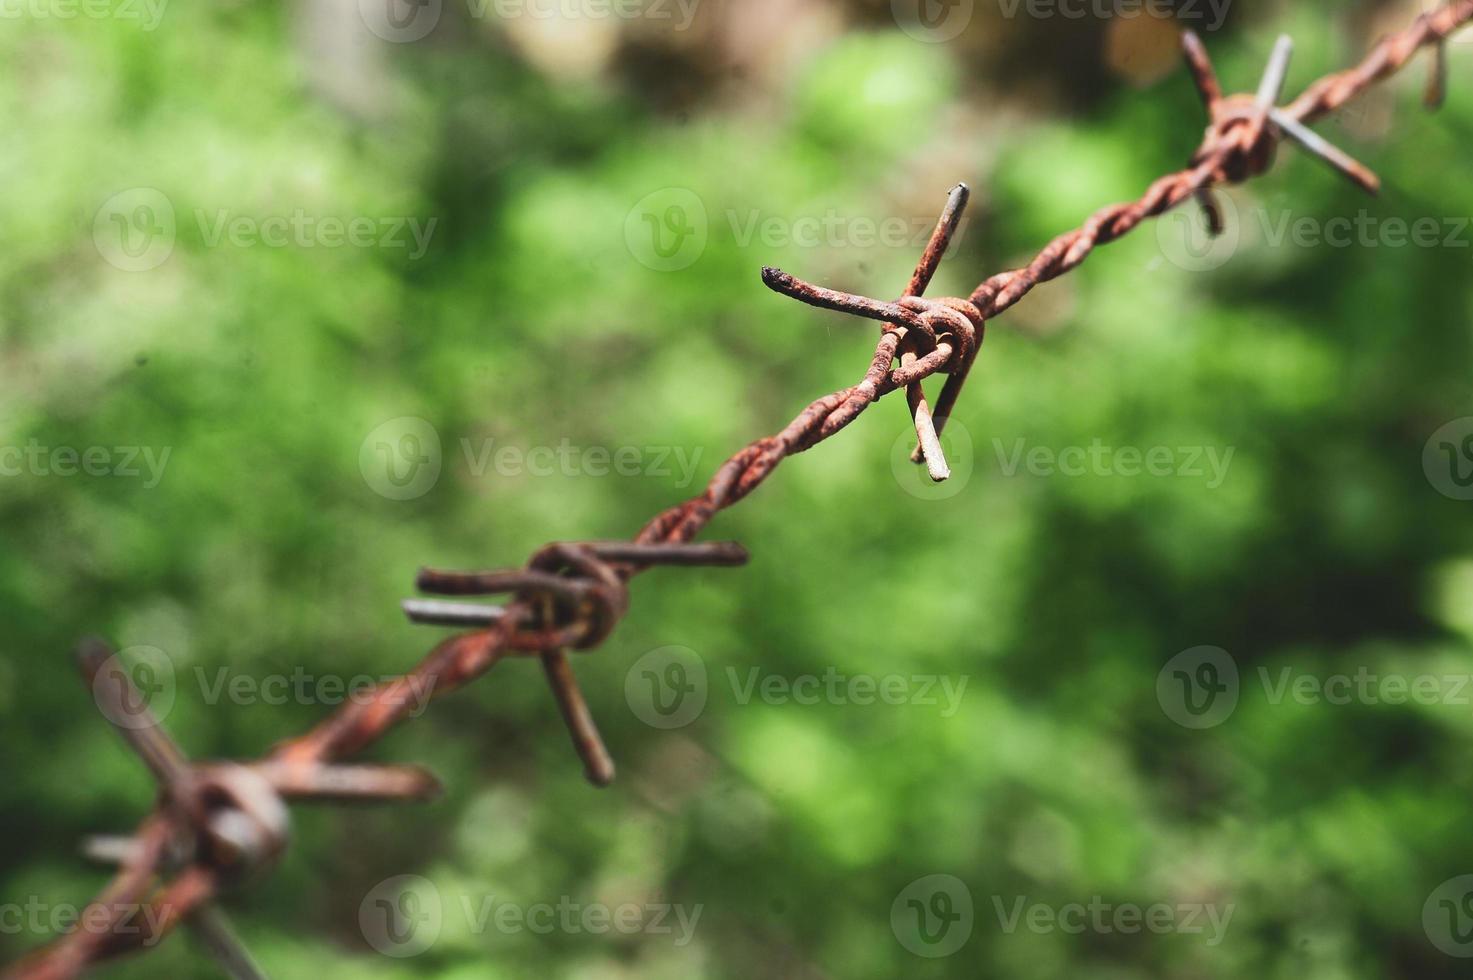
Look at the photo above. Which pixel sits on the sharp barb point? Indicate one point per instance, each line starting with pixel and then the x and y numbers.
pixel 1277 72
pixel 435 612
pixel 1436 93
pixel 1318 146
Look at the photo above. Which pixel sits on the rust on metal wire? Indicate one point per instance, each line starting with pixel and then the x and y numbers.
pixel 217 824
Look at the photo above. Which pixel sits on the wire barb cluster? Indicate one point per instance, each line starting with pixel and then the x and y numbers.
pixel 219 824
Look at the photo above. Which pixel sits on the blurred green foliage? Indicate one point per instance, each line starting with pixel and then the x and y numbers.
pixel 531 319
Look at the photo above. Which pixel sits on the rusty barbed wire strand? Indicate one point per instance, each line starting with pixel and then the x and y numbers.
pixel 218 823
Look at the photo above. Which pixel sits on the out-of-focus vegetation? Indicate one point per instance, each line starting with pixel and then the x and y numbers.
pixel 540 314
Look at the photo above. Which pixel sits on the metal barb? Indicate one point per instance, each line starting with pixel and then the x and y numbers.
pixel 1200 65
pixel 350 783
pixel 119 698
pixel 1436 93
pixel 1362 176
pixel 436 612
pixel 928 434
pixel 1271 86
pixel 212 926
pixel 127 710
pixel 598 764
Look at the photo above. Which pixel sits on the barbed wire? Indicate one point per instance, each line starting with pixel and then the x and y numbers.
pixel 218 824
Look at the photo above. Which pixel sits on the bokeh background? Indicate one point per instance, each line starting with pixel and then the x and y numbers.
pixel 599 194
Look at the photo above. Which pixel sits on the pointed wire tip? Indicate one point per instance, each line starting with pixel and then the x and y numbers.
pixel 1191 43
pixel 729 553
pixel 1315 144
pixel 1436 93
pixel 1277 72
pixel 91 653
pixel 435 612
